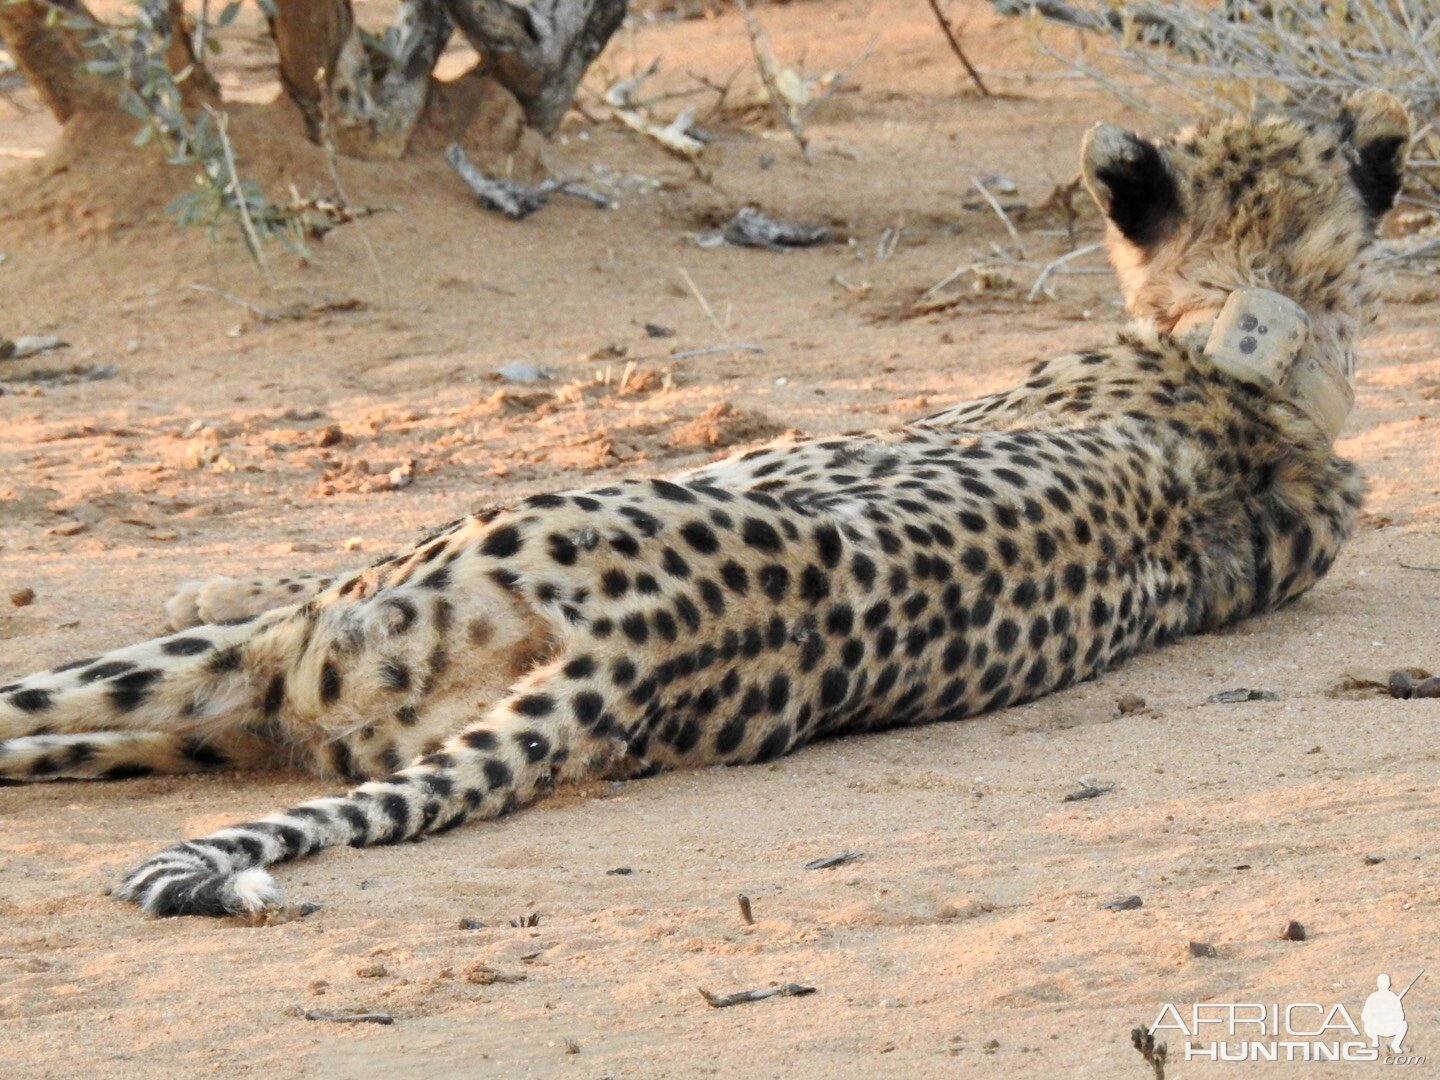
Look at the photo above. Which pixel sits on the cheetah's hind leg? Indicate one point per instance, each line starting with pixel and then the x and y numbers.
pixel 201 690
pixel 225 599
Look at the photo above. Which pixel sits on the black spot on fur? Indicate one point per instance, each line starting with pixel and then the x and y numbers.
pixel 185 646
pixel 436 579
pixel 827 540
pixel 330 683
pixel 633 627
pixel 480 740
pixel 274 696
pixel 224 660
pixel 672 492
pixel 394 675
pixel 203 754
pixel 700 537
pixel 535 745
pixel 501 543
pixel 130 691
pixel 71 666
pixel 588 706
pixel 106 670
pixel 498 774
pixel 535 705
pixel 31 701
pixel 760 535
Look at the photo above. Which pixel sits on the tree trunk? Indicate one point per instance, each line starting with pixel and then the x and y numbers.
pixel 171 21
pixel 541 50
pixel 369 102
pixel 309 35
pixel 50 56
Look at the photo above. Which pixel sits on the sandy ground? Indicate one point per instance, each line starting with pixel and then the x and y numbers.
pixel 969 936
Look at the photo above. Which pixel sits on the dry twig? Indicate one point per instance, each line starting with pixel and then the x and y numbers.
pixel 345 1018
pixel 222 130
pixel 724 1001
pixel 958 49
pixel 765 64
pixel 1001 214
pixel 1051 267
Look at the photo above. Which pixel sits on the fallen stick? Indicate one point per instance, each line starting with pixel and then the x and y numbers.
pixel 674 136
pixel 832 860
pixel 708 350
pixel 724 1001
pixel 1001 214
pixel 514 200
pixel 345 1018
pixel 1051 267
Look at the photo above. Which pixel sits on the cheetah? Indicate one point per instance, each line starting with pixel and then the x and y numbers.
pixel 1008 547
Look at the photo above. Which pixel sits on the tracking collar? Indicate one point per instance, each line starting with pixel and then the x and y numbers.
pixel 1260 336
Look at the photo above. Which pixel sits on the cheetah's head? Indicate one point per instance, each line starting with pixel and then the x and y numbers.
pixel 1283 202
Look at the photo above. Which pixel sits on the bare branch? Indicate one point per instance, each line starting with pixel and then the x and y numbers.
pixel 958 49
pixel 765 64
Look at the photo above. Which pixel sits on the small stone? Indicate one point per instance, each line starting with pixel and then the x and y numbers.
pixel 1374 860
pixel 402 476
pixel 354 543
pixel 482 974
pixel 318 986
pixel 471 924
pixel 330 435
pixel 22 597
pixel 1234 697
pixel 990 1045
pixel 1428 688
pixel 1294 931
pixel 655 330
pixel 163 535
pixel 69 528
pixel 973 909
pixel 1129 704
pixel 1401 684
pixel 520 371
pixel 619 871
pixel 1203 949
pixel 1124 903
pixel 373 971
pixel 605 352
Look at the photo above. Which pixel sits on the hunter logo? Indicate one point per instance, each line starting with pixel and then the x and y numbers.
pixel 1384 1013
pixel 1299 1031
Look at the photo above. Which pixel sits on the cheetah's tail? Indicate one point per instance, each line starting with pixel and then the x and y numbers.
pixel 120 755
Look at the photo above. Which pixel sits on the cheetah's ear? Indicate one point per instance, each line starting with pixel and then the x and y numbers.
pixel 1376 125
pixel 1132 183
